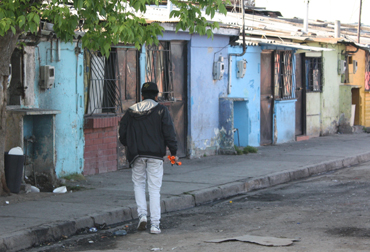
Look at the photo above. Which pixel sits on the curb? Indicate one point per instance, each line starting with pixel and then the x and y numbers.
pixel 53 232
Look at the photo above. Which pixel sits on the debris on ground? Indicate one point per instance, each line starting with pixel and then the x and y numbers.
pixel 120 233
pixel 260 240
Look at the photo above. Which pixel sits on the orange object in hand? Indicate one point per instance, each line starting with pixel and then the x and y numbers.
pixel 173 160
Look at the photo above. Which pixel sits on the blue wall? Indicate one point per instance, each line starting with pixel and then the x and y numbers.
pixel 242 123
pixel 204 93
pixel 66 96
pixel 249 88
pixel 284 112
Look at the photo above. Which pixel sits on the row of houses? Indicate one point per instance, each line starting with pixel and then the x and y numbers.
pixel 270 84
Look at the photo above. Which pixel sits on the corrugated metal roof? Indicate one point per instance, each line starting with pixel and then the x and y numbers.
pixel 264 27
pixel 257 42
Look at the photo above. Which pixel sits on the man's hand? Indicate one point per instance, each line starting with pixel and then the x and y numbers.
pixel 174 160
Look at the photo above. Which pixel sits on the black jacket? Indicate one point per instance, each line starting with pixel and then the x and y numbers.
pixel 146 129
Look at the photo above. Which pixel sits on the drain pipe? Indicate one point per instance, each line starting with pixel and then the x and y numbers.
pixel 236 54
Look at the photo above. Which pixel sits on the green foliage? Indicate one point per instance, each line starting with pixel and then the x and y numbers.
pixel 105 22
pixel 249 149
pixel 19 15
pixel 245 150
pixel 75 177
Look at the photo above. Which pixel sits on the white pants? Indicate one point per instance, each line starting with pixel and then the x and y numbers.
pixel 153 169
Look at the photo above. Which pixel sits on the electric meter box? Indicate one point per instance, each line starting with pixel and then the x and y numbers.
pixel 354 62
pixel 218 70
pixel 242 68
pixel 47 76
pixel 342 65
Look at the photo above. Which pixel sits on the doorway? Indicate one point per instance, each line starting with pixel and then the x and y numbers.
pixel 300 109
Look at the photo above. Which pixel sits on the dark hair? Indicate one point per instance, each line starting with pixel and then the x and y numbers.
pixel 149 95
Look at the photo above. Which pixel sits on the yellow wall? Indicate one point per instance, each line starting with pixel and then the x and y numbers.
pixel 358 79
pixel 367 109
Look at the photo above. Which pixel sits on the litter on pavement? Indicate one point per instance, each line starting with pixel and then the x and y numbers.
pixel 62 189
pixel 260 240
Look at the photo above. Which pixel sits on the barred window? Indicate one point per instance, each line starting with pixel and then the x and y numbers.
pixel 159 69
pixel 283 74
pixel 313 68
pixel 103 93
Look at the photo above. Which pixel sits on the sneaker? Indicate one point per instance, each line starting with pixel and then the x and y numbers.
pixel 142 222
pixel 154 229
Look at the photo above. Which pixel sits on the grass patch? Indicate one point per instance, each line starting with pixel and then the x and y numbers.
pixel 238 150
pixel 245 150
pixel 74 177
pixel 249 149
pixel 75 188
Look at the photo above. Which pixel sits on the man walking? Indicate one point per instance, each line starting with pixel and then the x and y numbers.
pixel 146 129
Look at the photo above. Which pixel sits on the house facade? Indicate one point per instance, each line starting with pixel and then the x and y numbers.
pixel 65 103
pixel 45 109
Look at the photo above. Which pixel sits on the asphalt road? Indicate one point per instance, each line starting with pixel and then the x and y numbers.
pixel 329 212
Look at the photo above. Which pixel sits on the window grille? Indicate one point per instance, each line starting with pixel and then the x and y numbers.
pixel 103 85
pixel 283 74
pixel 313 68
pixel 159 69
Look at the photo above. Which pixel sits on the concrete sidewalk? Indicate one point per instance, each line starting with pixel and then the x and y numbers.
pixel 110 199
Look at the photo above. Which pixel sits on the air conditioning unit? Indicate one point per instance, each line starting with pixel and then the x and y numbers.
pixel 342 66
pixel 47 76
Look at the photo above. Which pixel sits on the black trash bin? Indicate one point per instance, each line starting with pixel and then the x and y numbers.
pixel 13 167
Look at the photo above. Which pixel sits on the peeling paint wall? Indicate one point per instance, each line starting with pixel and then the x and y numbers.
pixel 313 114
pixel 330 95
pixel 204 93
pixel 14 131
pixel 284 121
pixel 30 60
pixel 66 96
pixel 325 118
pixel 247 120
pixel 226 125
pixel 345 103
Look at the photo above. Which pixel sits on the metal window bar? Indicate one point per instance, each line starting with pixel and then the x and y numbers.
pixel 277 75
pixel 159 69
pixel 283 75
pixel 314 74
pixel 287 76
pixel 104 94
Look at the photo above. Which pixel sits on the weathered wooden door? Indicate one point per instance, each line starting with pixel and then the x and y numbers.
pixel 300 96
pixel 128 76
pixel 129 86
pixel 167 66
pixel 267 98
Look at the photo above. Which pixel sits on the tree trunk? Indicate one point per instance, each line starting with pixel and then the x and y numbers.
pixel 3 85
pixel 7 46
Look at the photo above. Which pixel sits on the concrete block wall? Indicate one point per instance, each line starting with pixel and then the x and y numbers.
pixel 100 151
